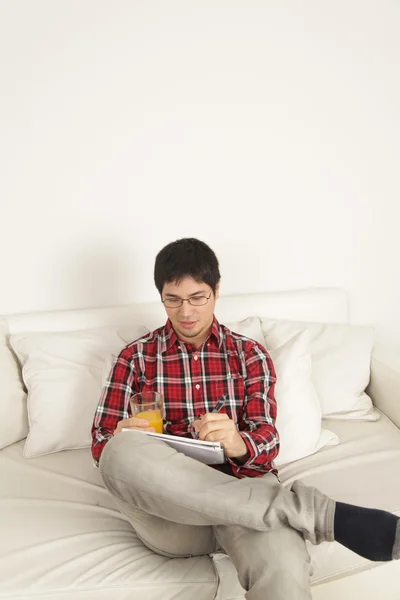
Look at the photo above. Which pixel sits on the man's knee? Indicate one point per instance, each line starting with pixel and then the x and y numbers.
pixel 123 461
pixel 132 460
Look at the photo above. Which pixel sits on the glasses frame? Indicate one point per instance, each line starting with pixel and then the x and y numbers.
pixel 186 300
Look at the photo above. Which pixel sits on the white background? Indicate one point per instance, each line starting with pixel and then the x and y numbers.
pixel 268 129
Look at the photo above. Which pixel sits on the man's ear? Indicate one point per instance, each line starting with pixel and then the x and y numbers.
pixel 217 290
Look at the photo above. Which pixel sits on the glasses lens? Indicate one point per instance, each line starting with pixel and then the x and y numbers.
pixel 198 300
pixel 172 302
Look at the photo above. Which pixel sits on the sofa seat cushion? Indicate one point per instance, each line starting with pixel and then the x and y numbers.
pixel 363 470
pixel 62 536
pixel 62 530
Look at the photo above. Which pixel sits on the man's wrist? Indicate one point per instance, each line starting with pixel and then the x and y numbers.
pixel 243 454
pixel 241 460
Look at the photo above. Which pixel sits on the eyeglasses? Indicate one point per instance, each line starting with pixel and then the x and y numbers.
pixel 177 302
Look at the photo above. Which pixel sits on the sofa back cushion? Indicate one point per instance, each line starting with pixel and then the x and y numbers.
pixel 341 365
pixel 63 374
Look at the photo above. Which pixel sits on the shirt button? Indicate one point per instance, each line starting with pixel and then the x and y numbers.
pixel 196 357
pixel 197 387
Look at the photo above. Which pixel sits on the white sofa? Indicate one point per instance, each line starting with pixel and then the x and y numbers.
pixel 62 538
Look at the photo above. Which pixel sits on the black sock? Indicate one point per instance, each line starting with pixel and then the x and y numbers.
pixel 367 531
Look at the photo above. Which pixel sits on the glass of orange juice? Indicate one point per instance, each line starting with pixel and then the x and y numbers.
pixel 149 406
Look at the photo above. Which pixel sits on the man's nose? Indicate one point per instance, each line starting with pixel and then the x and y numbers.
pixel 186 309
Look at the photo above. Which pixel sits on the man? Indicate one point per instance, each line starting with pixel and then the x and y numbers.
pixel 181 507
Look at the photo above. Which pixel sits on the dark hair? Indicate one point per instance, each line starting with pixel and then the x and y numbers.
pixel 186 257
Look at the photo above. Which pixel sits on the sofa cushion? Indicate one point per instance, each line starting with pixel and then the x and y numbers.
pixel 341 361
pixel 63 374
pixel 63 526
pixel 63 537
pixel 298 410
pixel 13 412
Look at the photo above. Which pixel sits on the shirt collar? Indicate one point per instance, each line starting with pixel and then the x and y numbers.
pixel 169 337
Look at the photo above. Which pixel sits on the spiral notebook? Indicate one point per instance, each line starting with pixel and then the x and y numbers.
pixel 209 453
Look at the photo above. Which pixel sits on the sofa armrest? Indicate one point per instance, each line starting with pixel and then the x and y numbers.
pixel 384 386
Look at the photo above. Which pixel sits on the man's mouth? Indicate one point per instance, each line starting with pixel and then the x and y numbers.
pixel 187 324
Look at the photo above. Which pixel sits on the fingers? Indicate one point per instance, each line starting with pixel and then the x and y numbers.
pixel 138 423
pixel 213 430
pixel 216 436
pixel 208 418
pixel 212 422
pixel 133 423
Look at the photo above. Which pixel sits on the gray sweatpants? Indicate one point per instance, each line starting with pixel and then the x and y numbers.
pixel 181 507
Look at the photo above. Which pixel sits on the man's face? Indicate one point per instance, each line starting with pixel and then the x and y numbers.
pixel 191 323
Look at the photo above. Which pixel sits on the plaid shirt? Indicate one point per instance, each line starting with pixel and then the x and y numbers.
pixel 192 381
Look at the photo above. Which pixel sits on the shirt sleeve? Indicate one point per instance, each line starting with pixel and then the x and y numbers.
pixel 113 405
pixel 259 412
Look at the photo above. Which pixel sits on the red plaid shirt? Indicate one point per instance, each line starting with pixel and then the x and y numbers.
pixel 192 381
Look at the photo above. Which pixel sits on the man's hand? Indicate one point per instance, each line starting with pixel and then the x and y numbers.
pixel 218 427
pixel 133 423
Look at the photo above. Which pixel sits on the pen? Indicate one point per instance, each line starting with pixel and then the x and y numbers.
pixel 221 402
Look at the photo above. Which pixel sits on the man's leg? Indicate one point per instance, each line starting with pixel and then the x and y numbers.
pixel 167 538
pixel 146 473
pixel 271 565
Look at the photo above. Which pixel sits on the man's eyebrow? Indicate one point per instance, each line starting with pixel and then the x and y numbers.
pixel 190 295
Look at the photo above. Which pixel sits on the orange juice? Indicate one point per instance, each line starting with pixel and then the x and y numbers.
pixel 153 417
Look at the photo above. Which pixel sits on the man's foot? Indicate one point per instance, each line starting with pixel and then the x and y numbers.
pixel 372 533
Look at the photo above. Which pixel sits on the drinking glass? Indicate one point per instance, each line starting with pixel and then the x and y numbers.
pixel 149 406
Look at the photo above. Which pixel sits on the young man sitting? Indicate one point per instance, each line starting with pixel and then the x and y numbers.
pixel 181 507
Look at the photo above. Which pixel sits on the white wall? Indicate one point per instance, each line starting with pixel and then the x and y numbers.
pixel 268 129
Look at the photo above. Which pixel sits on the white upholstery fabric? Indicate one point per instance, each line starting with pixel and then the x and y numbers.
pixel 13 417
pixel 361 470
pixel 341 361
pixel 62 372
pixel 320 305
pixel 384 386
pixel 298 410
pixel 61 530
